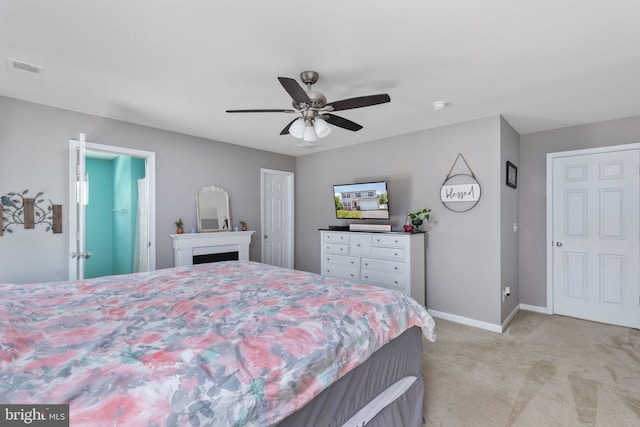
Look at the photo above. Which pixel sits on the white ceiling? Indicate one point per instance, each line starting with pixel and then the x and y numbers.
pixel 177 65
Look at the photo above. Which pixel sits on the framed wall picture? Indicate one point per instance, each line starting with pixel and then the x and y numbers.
pixel 512 175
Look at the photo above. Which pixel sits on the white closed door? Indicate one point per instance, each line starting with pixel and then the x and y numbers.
pixel 277 218
pixel 596 236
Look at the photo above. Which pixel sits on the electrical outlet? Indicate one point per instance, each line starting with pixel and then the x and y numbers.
pixel 506 291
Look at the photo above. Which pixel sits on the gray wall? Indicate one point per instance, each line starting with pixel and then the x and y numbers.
pixel 509 151
pixel 470 256
pixel 533 150
pixel 34 147
pixel 463 249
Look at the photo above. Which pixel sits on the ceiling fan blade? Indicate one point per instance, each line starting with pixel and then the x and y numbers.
pixel 264 110
pixel 285 131
pixel 295 90
pixel 341 122
pixel 361 101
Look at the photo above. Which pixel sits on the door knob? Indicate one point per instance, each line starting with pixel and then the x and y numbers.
pixel 558 244
pixel 265 236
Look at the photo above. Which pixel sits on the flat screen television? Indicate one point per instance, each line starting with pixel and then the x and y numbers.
pixel 364 200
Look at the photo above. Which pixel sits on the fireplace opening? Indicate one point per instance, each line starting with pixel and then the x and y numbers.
pixel 222 256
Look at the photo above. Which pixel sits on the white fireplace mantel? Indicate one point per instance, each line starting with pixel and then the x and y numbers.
pixel 185 246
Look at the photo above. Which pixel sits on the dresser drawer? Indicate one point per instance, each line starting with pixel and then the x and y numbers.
pixel 388 241
pixel 360 245
pixel 344 267
pixel 385 273
pixel 388 253
pixel 335 248
pixel 330 237
pixel 341 260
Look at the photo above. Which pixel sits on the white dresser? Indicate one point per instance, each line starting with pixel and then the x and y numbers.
pixel 391 260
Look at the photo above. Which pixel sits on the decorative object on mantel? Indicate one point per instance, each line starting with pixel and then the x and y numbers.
pixel 512 175
pixel 417 218
pixel 461 192
pixel 17 209
pixel 179 224
pixel 244 225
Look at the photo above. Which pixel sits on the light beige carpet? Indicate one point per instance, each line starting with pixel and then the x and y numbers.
pixel 543 371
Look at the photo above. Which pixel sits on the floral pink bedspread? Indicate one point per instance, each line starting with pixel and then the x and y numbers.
pixel 230 343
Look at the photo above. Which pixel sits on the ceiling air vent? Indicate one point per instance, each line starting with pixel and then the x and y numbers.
pixel 21 68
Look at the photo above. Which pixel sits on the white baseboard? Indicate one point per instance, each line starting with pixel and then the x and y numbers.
pixel 510 318
pixel 466 321
pixel 485 325
pixel 535 308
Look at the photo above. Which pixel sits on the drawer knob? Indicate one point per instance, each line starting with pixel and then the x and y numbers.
pixel 396 254
pixel 395 268
pixel 351 274
pixel 366 263
pixel 395 281
pixel 351 262
pixel 366 277
pixel 358 244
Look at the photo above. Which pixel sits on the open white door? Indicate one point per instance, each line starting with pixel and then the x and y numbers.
pixel 277 218
pixel 595 241
pixel 78 195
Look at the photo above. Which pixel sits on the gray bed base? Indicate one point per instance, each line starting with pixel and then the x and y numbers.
pixel 343 399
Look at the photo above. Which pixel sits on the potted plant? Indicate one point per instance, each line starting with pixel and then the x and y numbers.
pixel 417 218
pixel 244 225
pixel 179 224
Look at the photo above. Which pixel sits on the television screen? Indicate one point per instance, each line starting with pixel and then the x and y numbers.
pixel 366 200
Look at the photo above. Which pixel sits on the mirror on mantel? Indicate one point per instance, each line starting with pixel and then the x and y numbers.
pixel 213 209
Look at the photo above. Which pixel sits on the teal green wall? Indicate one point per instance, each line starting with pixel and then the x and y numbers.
pixel 111 214
pixel 99 227
pixel 126 171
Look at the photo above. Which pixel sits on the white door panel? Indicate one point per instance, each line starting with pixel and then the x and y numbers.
pixel 596 229
pixel 77 195
pixel 277 218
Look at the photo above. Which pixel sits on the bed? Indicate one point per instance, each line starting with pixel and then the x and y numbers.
pixel 233 343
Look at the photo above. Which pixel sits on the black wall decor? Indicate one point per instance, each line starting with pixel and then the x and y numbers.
pixel 19 209
pixel 512 175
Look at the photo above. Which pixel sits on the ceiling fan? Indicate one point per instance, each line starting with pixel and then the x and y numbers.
pixel 315 111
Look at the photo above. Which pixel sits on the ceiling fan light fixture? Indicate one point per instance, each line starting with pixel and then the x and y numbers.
pixel 309 134
pixel 321 127
pixel 297 128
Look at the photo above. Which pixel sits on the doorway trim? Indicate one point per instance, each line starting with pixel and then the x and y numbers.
pixel 150 174
pixel 549 200
pixel 290 213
